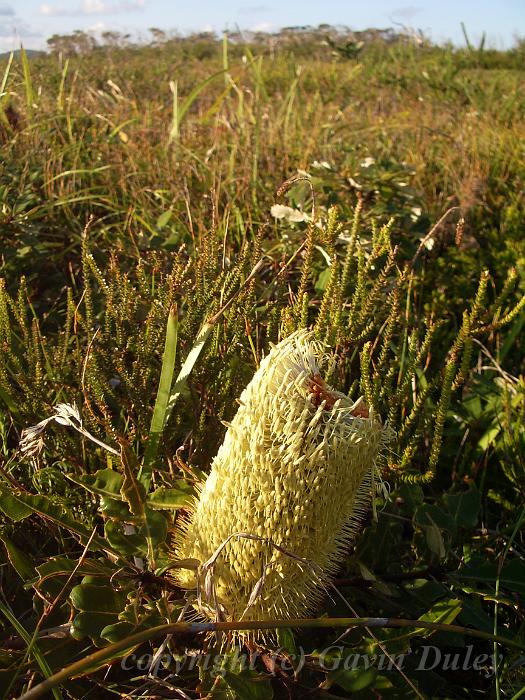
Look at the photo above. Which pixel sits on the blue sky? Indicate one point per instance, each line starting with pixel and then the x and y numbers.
pixel 32 21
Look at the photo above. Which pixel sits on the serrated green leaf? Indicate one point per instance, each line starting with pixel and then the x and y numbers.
pixel 118 510
pixel 132 491
pixel 14 508
pixel 20 562
pixel 132 545
pixel 171 498
pixel 64 567
pixel 104 482
pixel 43 506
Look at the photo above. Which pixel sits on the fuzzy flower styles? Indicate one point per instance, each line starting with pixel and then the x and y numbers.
pixel 285 493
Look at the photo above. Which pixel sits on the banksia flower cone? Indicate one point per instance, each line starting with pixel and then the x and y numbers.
pixel 285 493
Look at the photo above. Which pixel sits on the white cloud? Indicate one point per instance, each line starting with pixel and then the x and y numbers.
pixel 6 11
pixel 406 13
pixel 49 11
pixel 261 27
pixel 95 7
pixel 254 9
pixel 92 7
pixel 98 27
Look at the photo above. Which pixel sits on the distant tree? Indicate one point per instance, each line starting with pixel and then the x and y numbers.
pixel 347 49
pixel 72 44
pixel 115 39
pixel 159 36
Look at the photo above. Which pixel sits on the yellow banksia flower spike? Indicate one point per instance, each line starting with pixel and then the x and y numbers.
pixel 285 494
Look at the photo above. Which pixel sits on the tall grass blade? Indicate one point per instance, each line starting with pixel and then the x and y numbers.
pixel 3 86
pixel 32 647
pixel 160 412
pixel 60 96
pixel 178 113
pixel 174 132
pixel 6 74
pixel 28 83
pixel 199 343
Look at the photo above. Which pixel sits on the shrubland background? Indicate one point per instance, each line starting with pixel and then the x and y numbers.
pixel 142 180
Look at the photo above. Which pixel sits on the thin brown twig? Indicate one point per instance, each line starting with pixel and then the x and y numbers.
pixel 431 233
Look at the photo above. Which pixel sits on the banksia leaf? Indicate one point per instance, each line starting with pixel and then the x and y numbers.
pixel 285 493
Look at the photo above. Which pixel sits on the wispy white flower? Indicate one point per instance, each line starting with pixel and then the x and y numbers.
pixel 32 439
pixel 355 184
pixel 281 211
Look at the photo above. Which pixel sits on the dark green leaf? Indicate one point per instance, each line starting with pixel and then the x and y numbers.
pixel 100 599
pixel 323 279
pixel 249 685
pixel 43 506
pixel 434 521
pixel 354 680
pixel 512 575
pixel 91 624
pixel 117 631
pixel 286 640
pixel 408 497
pixel 131 545
pixel 464 507
pixel 472 614
pixel 155 527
